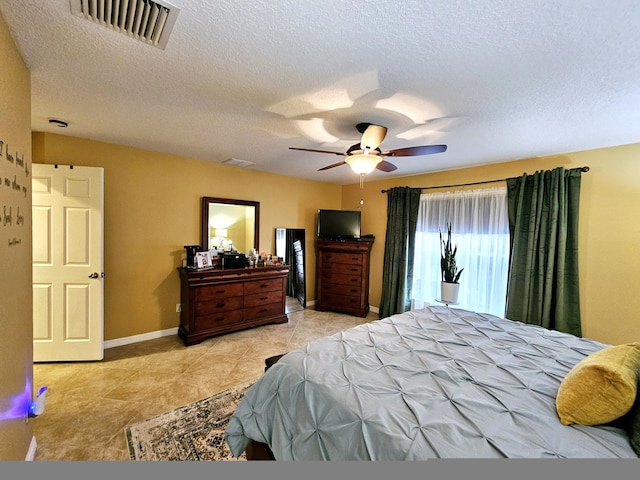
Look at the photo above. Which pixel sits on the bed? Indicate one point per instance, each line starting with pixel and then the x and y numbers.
pixel 437 382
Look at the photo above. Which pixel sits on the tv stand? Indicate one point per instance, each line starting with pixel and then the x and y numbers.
pixel 342 275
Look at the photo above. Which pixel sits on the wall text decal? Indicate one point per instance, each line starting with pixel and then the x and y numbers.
pixel 14 188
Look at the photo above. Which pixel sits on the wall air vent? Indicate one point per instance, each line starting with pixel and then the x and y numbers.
pixel 148 21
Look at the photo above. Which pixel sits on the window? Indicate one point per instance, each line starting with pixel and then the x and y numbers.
pixel 480 229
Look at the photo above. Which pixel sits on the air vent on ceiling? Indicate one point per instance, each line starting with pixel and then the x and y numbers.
pixel 145 20
pixel 238 163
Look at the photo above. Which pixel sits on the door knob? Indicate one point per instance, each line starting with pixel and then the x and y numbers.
pixel 94 275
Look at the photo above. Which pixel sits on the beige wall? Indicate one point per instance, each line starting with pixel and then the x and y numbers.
pixel 609 230
pixel 16 352
pixel 152 209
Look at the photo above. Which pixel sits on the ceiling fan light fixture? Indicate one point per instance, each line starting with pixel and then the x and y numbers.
pixel 363 164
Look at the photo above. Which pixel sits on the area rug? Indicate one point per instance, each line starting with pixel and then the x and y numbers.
pixel 194 432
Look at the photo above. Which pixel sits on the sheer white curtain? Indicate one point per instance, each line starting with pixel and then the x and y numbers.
pixel 480 229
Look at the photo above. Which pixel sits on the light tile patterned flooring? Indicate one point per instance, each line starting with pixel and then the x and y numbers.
pixel 89 404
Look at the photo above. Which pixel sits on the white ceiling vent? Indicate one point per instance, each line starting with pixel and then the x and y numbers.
pixel 145 20
pixel 238 163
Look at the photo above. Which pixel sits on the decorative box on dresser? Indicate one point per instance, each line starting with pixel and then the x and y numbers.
pixel 342 275
pixel 217 301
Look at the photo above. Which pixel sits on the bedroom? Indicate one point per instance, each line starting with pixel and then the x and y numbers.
pixel 138 180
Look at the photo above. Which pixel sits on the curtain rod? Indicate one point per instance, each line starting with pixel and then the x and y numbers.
pixel 584 169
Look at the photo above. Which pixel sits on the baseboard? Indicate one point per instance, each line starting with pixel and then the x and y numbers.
pixel 140 338
pixel 31 454
pixel 118 342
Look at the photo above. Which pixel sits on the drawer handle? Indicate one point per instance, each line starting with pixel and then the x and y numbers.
pixel 355 279
pixel 221 291
pixel 220 305
pixel 264 285
pixel 264 298
pixel 262 310
pixel 219 319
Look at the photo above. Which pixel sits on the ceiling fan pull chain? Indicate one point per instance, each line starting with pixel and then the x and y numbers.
pixel 361 181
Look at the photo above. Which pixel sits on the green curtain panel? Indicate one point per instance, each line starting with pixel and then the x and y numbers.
pixel 397 272
pixel 543 271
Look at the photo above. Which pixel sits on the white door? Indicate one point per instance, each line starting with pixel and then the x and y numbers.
pixel 67 263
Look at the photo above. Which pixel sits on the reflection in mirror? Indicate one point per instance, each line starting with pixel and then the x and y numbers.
pixel 229 223
pixel 290 244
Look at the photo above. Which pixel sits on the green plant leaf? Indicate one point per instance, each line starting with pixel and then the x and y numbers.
pixel 450 272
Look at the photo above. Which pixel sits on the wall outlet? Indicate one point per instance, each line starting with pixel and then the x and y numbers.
pixel 178 307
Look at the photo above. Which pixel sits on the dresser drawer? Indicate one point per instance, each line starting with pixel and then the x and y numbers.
pixel 337 289
pixel 218 305
pixel 342 268
pixel 267 285
pixel 213 292
pixel 263 311
pixel 339 257
pixel 216 320
pixel 341 279
pixel 262 298
pixel 342 301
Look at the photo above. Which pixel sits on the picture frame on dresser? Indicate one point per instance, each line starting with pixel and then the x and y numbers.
pixel 204 260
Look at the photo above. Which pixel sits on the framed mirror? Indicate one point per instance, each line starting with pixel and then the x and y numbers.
pixel 227 222
pixel 290 245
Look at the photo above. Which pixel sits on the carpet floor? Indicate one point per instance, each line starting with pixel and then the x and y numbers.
pixel 194 432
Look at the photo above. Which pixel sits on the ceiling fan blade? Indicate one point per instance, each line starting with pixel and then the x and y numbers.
pixel 317 151
pixel 385 166
pixel 415 151
pixel 373 137
pixel 332 166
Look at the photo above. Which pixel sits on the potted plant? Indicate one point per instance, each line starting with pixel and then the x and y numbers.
pixel 450 274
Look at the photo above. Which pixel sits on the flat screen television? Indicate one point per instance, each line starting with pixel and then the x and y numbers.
pixel 339 224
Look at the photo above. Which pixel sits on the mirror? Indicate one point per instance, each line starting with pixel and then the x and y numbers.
pixel 290 245
pixel 227 222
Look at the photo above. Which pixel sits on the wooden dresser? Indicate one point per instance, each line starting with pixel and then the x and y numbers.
pixel 342 275
pixel 220 301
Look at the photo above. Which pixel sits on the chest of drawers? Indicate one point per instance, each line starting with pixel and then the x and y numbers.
pixel 222 301
pixel 342 282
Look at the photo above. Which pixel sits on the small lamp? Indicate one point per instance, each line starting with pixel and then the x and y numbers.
pixel 219 237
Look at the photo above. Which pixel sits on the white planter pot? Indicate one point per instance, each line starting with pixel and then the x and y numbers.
pixel 449 292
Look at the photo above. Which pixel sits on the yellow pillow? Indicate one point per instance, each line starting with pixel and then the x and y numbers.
pixel 601 387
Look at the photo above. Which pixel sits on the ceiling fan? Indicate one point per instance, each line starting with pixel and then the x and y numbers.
pixel 366 156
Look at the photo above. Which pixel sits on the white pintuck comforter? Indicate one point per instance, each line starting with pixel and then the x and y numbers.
pixel 430 383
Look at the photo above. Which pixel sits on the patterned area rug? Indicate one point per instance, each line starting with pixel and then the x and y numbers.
pixel 192 432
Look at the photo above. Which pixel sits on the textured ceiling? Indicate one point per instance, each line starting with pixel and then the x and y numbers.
pixel 246 79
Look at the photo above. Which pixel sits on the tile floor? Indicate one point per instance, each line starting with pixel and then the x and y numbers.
pixel 89 404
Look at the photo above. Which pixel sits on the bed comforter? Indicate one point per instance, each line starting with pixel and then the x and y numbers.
pixel 430 383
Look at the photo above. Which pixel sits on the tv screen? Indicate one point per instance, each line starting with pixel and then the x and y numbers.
pixel 337 224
